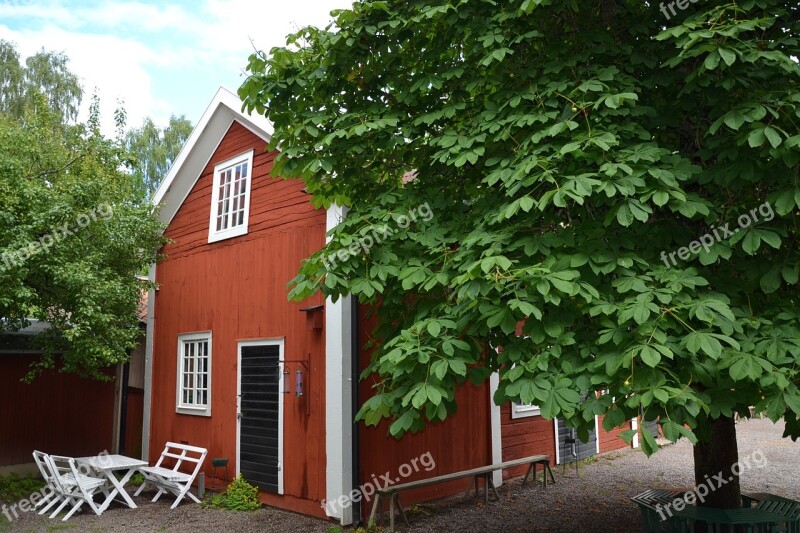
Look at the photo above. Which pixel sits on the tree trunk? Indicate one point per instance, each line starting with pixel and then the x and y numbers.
pixel 713 462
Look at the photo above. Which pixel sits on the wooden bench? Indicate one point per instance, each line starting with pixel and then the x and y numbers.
pixel 484 472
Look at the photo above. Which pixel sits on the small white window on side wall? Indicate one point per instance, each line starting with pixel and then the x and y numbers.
pixel 194 374
pixel 519 410
pixel 230 197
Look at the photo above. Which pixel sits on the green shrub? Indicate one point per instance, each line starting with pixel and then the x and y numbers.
pixel 14 488
pixel 137 479
pixel 239 496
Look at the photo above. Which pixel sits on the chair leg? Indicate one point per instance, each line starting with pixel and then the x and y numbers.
pixel 140 489
pixel 54 501
pixel 60 507
pixel 180 496
pixel 75 509
pixel 158 495
pixel 44 500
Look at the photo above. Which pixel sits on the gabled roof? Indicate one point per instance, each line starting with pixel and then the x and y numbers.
pixel 224 109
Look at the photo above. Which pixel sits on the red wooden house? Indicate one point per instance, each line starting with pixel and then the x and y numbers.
pixel 269 384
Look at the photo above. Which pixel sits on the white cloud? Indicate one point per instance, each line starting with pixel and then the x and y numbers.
pixel 138 52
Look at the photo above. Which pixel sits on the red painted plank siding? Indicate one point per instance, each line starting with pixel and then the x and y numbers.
pixel 236 288
pixel 57 413
pixel 609 440
pixel 522 437
pixel 462 442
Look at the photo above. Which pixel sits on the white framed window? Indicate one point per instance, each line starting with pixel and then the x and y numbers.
pixel 230 197
pixel 519 410
pixel 194 374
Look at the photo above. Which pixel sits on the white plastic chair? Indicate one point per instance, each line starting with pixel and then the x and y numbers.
pixel 73 487
pixel 172 479
pixel 52 497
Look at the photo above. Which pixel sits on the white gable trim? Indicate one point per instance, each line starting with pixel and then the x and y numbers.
pixel 224 109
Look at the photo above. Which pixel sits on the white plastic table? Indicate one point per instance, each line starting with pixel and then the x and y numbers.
pixel 108 465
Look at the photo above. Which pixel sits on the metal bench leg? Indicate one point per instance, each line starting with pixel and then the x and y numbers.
pixel 544 474
pixel 490 482
pixel 374 509
pixel 391 513
pixel 402 511
pixel 469 488
pixel 531 466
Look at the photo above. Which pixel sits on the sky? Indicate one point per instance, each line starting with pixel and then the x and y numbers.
pixel 159 58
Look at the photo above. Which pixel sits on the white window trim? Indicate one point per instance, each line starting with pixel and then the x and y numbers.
pixel 190 409
pixel 519 410
pixel 213 234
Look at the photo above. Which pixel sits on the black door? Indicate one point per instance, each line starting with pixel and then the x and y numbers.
pixel 652 427
pixel 259 459
pixel 570 447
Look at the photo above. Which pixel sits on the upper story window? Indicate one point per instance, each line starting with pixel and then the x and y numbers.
pixel 194 374
pixel 230 197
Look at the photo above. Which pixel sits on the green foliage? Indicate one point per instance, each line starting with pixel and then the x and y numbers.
pixel 238 496
pixel 137 479
pixel 562 147
pixel 44 73
pixel 155 149
pixel 14 488
pixel 65 198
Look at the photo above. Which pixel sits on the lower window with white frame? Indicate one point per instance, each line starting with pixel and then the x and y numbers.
pixel 194 374
pixel 520 410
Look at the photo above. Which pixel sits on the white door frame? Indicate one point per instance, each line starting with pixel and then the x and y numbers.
pixel 260 342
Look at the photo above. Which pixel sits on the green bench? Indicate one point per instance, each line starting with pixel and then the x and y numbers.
pixel 789 509
pixel 725 520
pixel 769 514
pixel 650 502
pixel 483 472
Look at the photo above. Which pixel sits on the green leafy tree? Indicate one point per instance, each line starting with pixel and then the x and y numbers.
pixel 565 149
pixel 43 73
pixel 73 235
pixel 154 150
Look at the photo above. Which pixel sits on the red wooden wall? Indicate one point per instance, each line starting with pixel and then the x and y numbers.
pixel 462 442
pixel 236 288
pixel 58 413
pixel 609 440
pixel 522 437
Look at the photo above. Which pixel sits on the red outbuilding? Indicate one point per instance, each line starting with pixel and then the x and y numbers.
pixel 271 384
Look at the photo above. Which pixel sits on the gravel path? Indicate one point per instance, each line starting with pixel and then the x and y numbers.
pixel 595 502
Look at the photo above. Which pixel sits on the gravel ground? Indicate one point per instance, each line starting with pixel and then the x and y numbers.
pixel 597 501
